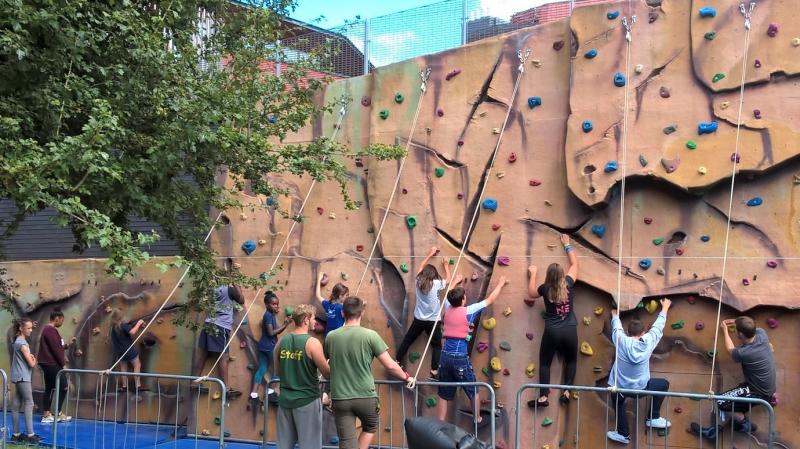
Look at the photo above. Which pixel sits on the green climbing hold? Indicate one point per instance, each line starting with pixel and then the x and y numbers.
pixel 678 325
pixel 398 97
pixel 691 145
pixel 711 353
pixel 217 421
pixel 439 172
pixel 658 241
pixel 288 311
pixel 546 422
pixel 413 357
pixel 404 268
pixel 431 401
pixel 384 114
pixel 485 371
pixel 411 222
pixel 717 77
pixel 710 36
pixel 505 346
pixel 451 261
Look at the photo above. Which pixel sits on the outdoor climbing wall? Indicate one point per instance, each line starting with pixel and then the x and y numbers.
pixel 558 167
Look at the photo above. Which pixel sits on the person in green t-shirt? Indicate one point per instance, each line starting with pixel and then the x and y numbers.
pixel 351 350
pixel 298 358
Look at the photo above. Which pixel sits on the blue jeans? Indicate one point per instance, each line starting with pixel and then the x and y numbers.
pixel 455 367
pixel 263 366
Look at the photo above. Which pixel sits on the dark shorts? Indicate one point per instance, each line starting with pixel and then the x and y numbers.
pixel 345 413
pixel 214 339
pixel 742 391
pixel 132 354
pixel 454 367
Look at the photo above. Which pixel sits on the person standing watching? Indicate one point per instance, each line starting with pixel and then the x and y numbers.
pixel 51 359
pixel 22 363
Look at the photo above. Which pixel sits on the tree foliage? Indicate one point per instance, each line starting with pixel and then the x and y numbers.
pixel 117 109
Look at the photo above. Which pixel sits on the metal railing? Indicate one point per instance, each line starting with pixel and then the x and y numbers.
pixel 4 430
pixel 101 374
pixel 636 394
pixel 401 387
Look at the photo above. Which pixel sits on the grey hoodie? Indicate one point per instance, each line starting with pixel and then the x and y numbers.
pixel 632 365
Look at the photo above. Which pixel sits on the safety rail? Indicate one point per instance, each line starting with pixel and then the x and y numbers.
pixel 401 386
pixel 4 430
pixel 637 394
pixel 192 380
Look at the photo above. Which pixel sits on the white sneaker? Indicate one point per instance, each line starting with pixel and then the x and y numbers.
pixel 618 437
pixel 64 418
pixel 254 395
pixel 48 419
pixel 658 423
pixel 270 391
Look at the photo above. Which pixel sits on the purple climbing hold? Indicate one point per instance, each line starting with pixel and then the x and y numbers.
pixel 757 113
pixel 558 45
pixel 529 336
pixel 757 64
pixel 707 127
pixel 735 157
pixel 772 30
pixel 664 92
pixel 452 74
pixel 772 263
pixel 772 323
pixel 440 112
pixel 504 261
pixel 249 246
pixel 590 54
pixel 482 346
pixel 698 326
pixel 619 79
pixel 366 101
pixel 460 195
pixel 745 282
pixel 670 165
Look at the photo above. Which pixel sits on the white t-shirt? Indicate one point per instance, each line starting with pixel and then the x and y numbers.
pixel 428 304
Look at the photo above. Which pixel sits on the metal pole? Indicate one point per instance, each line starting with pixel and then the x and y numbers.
pixel 463 22
pixel 4 433
pixel 366 47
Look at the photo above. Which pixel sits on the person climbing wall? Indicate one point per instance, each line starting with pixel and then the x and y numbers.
pixel 268 340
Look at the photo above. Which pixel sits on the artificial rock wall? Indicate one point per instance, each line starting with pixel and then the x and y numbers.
pixel 561 177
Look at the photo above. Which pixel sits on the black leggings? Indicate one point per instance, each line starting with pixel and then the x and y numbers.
pixel 416 329
pixel 50 372
pixel 564 341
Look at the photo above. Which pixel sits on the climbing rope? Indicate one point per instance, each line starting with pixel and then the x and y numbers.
pixel 424 75
pixel 747 14
pixel 342 112
pixel 523 57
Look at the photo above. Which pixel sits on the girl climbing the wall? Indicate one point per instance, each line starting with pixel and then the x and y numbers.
pixel 269 338
pixel 122 333
pixel 22 363
pixel 560 326
pixel 426 311
pixel 334 319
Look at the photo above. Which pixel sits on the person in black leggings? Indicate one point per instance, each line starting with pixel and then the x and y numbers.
pixel 51 359
pixel 560 326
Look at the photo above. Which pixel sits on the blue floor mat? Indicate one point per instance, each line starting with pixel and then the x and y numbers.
pixel 190 443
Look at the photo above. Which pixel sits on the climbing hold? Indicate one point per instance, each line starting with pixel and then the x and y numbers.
pixel 534 101
pixel 611 166
pixel 530 369
pixel 796 42
pixel 404 268
pixel 452 74
pixel 710 36
pixel 529 336
pixel 670 129
pixel 745 282
pixel 679 251
pixel 324 281
pixel 546 422
pixel 490 204
pixel 249 246
pixel 757 114
pixel 772 30
pixel 440 112
pixel 717 77
pixel 772 263
pixel 677 325
pixel 460 143
pixel 460 195
pixel 500 174
pixel 707 127
pixel 411 222
pixel 534 183
pixel 205 432
pixel 590 54
pixel 698 326
pixel 548 203
pixel 755 201
pixel 735 157
pixel 451 261
pixel 431 401
pixel 708 11
pixel 690 144
pixel 398 97
pixel 334 440
pixel 638 68
pixel 772 323
pixel 413 357
pixel 507 311
pixel 586 126
pixel 651 306
pixel 439 172
pixel 660 271
pixel 691 299
pixel 644 264
pixel 216 395
pixel 503 261
pixel 619 79
pixel 648 220
pixel 705 237
pixel 485 371
pixel 495 130
pixel 505 346
pixel 558 45
pixel 678 410
pixel 366 101
pixel 670 165
pixel 587 320
pixel 489 323
pixel 702 170
pixel 494 362
pixel 272 118
pixel 664 92
pixel 512 157
pixel 482 346
pixel 711 353
pixel 611 15
pixel 359 248
pixel 495 227
pixel 599 230
pixel 586 349
pixel 474 276
pixel 497 384
pixel 384 114
pixel 598 311
pixel 597 369
pixel 242 344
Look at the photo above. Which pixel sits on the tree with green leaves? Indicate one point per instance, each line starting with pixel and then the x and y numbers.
pixel 118 109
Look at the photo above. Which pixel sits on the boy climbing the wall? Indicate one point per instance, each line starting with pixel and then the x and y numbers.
pixel 269 337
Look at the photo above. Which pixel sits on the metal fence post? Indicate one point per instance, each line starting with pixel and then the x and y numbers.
pixel 463 22
pixel 4 433
pixel 366 47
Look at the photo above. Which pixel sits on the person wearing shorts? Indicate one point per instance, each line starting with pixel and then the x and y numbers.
pixel 350 351
pixel 216 332
pixel 454 364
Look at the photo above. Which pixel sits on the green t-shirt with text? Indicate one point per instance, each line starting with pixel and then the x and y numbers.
pixel 351 350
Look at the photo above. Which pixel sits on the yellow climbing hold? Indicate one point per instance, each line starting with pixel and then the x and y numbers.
pixel 500 174
pixel 332 216
pixel 530 369
pixel 205 432
pixel 243 216
pixel 497 384
pixel 494 362
pixel 489 323
pixel 495 130
pixel 507 311
pixel 586 349
pixel 575 395
pixel 538 63
pixel 651 306
pixel 724 104
pixel 796 42
pixel 771 348
pixel 598 311
pixel 587 320
pixel 702 170
pixel 216 395
pixel 638 69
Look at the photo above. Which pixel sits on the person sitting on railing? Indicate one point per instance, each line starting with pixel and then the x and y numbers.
pixel 758 366
pixel 631 370
pixel 299 356
pixel 455 365
pixel 350 351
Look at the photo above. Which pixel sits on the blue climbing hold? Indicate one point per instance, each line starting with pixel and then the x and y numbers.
pixel 272 118
pixel 619 79
pixel 534 101
pixel 707 127
pixel 708 11
pixel 612 14
pixel 755 201
pixel 490 204
pixel 271 201
pixel 599 230
pixel 334 440
pixel 611 166
pixel 590 54
pixel 705 237
pixel 645 264
pixel 586 126
pixel 249 246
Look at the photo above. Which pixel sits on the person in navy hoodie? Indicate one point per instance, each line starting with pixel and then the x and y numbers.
pixel 269 338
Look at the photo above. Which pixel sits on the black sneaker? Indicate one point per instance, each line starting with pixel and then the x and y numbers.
pixel 31 439
pixel 744 426
pixel 18 438
pixel 197 386
pixel 233 393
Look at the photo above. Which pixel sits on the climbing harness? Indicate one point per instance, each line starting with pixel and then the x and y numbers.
pixel 424 75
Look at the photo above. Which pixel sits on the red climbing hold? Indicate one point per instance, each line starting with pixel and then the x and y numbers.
pixel 512 157
pixel 460 196
pixel 440 112
pixel 757 64
pixel 320 210
pixel 461 143
pixel 506 372
pixel 243 344
pixel 735 157
pixel 495 227
pixel 534 183
pixel 366 101
pixel 529 336
pixel 359 248
pixel 745 282
pixel 772 30
pixel 452 74
pixel 772 323
pixel 757 113
pixel 691 299
pixel 679 251
pixel 558 45
pixel 648 220
pixel 664 92
pixel 405 191
pixel 529 302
